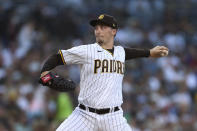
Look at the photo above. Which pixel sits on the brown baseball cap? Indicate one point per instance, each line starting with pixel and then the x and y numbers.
pixel 106 20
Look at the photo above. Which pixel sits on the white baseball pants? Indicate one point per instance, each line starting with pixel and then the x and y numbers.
pixel 81 120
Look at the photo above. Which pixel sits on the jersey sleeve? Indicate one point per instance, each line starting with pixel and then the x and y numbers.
pixel 74 55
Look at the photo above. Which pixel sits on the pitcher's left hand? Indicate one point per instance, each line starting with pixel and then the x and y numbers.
pixel 159 51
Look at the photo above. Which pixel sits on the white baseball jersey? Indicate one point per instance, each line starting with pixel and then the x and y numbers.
pixel 101 74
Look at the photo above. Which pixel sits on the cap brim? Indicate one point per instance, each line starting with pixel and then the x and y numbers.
pixel 96 22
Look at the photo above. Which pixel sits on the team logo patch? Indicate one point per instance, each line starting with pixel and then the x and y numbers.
pixel 101 17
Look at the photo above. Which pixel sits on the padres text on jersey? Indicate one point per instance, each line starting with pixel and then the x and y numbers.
pixel 108 66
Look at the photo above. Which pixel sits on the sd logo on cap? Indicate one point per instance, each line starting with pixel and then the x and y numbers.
pixel 101 17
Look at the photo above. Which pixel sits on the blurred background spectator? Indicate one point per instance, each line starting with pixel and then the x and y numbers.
pixel 159 94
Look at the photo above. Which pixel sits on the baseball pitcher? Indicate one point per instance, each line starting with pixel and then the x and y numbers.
pixel 102 70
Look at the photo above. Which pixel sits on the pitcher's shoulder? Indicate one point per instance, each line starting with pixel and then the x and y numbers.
pixel 93 44
pixel 119 47
pixel 90 45
pixel 85 46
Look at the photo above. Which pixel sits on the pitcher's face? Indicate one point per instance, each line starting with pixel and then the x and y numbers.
pixel 104 33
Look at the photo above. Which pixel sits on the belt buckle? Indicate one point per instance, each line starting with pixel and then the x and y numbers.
pixel 111 110
pixel 92 110
pixel 87 108
pixel 95 111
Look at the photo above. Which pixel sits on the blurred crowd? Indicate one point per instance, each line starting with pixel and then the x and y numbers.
pixel 159 94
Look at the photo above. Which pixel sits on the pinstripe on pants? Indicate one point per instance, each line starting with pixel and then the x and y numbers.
pixel 81 120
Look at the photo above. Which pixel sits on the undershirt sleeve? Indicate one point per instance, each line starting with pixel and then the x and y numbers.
pixel 131 53
pixel 53 61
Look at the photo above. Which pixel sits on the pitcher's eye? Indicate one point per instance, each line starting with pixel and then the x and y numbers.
pixel 103 27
